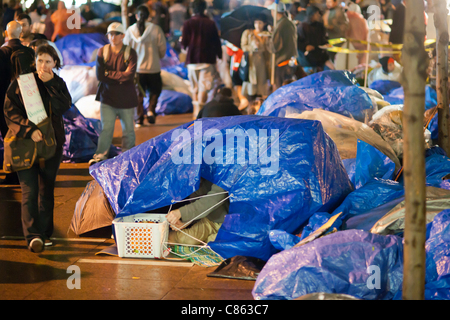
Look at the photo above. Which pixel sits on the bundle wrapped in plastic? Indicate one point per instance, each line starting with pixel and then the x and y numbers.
pixel 346 132
pixel 388 123
pixel 331 90
pixel 339 263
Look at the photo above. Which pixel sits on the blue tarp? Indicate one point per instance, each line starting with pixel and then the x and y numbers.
pixel 384 87
pixel 276 188
pixel 437 266
pixel 77 49
pixel 173 102
pixel 332 90
pixel 81 137
pixel 343 262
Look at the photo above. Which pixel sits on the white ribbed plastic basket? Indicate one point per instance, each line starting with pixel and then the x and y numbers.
pixel 141 235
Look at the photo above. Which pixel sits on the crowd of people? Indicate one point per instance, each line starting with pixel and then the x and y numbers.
pixel 129 67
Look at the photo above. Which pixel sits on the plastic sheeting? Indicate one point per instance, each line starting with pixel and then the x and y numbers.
pixel 173 102
pixel 239 267
pixel 92 210
pixel 339 263
pixel 81 81
pixel 77 49
pixel 437 265
pixel 393 222
pixel 306 177
pixel 346 132
pixel 81 137
pixel 328 90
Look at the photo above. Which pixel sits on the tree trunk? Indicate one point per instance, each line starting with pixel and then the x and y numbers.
pixel 440 22
pixel 2 39
pixel 124 8
pixel 415 62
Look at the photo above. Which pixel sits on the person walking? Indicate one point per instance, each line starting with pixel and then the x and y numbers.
pixel 201 40
pixel 8 72
pixel 38 182
pixel 149 42
pixel 116 69
pixel 283 44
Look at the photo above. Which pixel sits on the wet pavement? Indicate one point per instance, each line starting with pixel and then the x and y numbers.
pixel 51 275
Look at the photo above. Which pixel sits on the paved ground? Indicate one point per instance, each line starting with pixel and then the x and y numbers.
pixel 44 276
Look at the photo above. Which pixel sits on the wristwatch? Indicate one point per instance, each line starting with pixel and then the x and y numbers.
pixel 106 73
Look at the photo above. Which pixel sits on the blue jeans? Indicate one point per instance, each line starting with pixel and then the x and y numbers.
pixel 108 116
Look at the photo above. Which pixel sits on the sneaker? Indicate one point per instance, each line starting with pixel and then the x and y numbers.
pixel 94 161
pixel 48 243
pixel 36 245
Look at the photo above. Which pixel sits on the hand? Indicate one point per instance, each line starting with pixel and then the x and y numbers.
pixel 174 216
pixel 309 47
pixel 45 76
pixel 36 136
pixel 177 226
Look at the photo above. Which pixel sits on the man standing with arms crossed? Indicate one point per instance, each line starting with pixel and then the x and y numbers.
pixel 116 69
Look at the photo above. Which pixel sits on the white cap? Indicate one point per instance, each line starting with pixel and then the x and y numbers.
pixel 281 7
pixel 116 27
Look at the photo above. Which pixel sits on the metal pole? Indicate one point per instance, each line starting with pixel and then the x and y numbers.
pixel 415 62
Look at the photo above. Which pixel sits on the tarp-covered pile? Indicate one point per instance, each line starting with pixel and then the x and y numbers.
pixel 290 170
pixel 357 248
pixel 81 137
pixel 329 90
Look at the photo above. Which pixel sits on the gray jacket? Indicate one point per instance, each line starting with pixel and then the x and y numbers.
pixel 216 214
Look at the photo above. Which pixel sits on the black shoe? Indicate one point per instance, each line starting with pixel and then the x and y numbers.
pixel 151 119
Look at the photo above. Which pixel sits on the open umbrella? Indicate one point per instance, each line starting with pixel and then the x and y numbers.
pixel 233 24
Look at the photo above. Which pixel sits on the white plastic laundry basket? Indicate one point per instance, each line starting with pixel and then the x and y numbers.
pixel 141 235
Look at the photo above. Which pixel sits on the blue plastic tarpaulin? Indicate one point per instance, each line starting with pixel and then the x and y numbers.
pixel 294 172
pixel 384 87
pixel 344 262
pixel 173 102
pixel 81 137
pixel 437 265
pixel 332 90
pixel 78 49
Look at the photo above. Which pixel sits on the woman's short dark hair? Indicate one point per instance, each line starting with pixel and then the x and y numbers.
pixel 198 6
pixel 48 49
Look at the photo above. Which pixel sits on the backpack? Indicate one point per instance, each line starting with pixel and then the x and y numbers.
pixel 126 54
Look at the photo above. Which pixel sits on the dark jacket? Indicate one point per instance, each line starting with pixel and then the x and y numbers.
pixel 6 74
pixel 398 24
pixel 220 106
pixel 53 92
pixel 313 34
pixel 117 89
pixel 201 38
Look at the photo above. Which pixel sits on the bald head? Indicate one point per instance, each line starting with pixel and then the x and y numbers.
pixel 14 29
